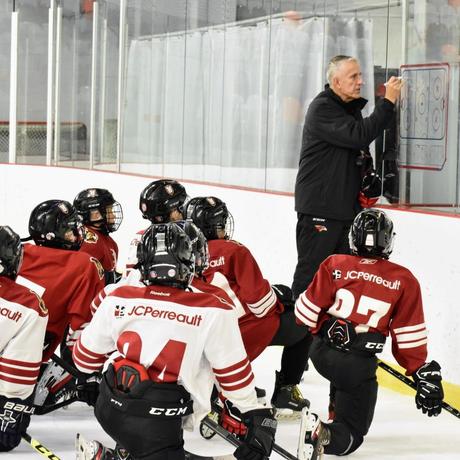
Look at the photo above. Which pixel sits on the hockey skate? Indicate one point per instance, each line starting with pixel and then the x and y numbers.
pixel 94 450
pixel 287 400
pixel 314 435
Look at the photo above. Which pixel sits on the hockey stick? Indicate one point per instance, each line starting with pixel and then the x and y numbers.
pixel 39 447
pixel 42 410
pixel 395 373
pixel 232 440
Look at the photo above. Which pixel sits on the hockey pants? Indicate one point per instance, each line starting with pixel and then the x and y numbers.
pixel 354 377
pixel 316 241
pixel 128 418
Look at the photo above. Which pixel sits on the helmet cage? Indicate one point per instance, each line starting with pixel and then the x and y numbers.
pixel 371 234
pixel 199 246
pixel 210 214
pixel 165 256
pixel 11 252
pixel 97 199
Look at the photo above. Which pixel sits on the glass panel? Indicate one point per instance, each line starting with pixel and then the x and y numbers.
pixel 32 81
pixel 430 106
pixel 107 85
pixel 5 40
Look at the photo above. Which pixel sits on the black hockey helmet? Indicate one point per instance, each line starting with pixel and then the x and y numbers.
pixel 199 245
pixel 165 256
pixel 160 198
pixel 371 234
pixel 210 214
pixel 98 208
pixel 11 252
pixel 56 224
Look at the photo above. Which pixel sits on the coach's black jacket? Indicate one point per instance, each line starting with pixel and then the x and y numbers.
pixel 329 179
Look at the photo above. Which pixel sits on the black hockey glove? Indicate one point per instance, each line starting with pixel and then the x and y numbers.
pixel 14 419
pixel 284 294
pixel 371 185
pixel 88 388
pixel 429 388
pixel 260 436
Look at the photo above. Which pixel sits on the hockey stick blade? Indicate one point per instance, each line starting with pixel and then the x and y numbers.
pixel 395 373
pixel 226 435
pixel 39 447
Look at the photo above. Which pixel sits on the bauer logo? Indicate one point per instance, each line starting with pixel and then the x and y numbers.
pixel 120 311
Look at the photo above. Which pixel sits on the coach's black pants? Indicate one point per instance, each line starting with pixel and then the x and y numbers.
pixel 354 377
pixel 317 238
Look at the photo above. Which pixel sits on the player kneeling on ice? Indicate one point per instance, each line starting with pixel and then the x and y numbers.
pixel 353 303
pixel 23 318
pixel 172 345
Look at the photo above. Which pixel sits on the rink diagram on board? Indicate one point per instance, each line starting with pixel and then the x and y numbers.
pixel 399 430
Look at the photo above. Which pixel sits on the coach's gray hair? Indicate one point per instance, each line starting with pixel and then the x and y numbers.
pixel 334 64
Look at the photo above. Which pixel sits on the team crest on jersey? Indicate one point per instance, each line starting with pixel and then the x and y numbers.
pixel 321 228
pixel 119 311
pixel 169 189
pixel 90 237
pixel 368 261
pixel 336 274
pixel 41 304
pixel 99 267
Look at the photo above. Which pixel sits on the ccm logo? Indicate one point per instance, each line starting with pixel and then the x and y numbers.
pixel 170 412
pixel 19 408
pixel 374 345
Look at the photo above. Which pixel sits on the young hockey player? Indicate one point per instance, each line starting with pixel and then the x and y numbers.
pixel 23 318
pixel 353 303
pixel 101 215
pixel 162 201
pixel 172 345
pixel 263 319
pixel 67 279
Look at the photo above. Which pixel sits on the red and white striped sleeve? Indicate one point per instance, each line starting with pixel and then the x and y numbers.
pixel 306 312
pixel 408 329
pixel 95 342
pixel 21 346
pixel 225 351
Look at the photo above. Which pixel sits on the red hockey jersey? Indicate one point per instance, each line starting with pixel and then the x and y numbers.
pixel 23 319
pixel 178 336
pixel 101 246
pixel 233 269
pixel 68 281
pixel 375 295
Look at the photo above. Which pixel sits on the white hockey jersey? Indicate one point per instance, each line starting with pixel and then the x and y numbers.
pixel 23 319
pixel 179 336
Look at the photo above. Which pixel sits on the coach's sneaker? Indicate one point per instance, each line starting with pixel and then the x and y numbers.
pixel 287 400
pixel 314 435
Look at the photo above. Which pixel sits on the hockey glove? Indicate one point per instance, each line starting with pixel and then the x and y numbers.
pixel 429 388
pixel 284 294
pixel 231 419
pixel 88 388
pixel 260 436
pixel 14 419
pixel 365 202
pixel 371 185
